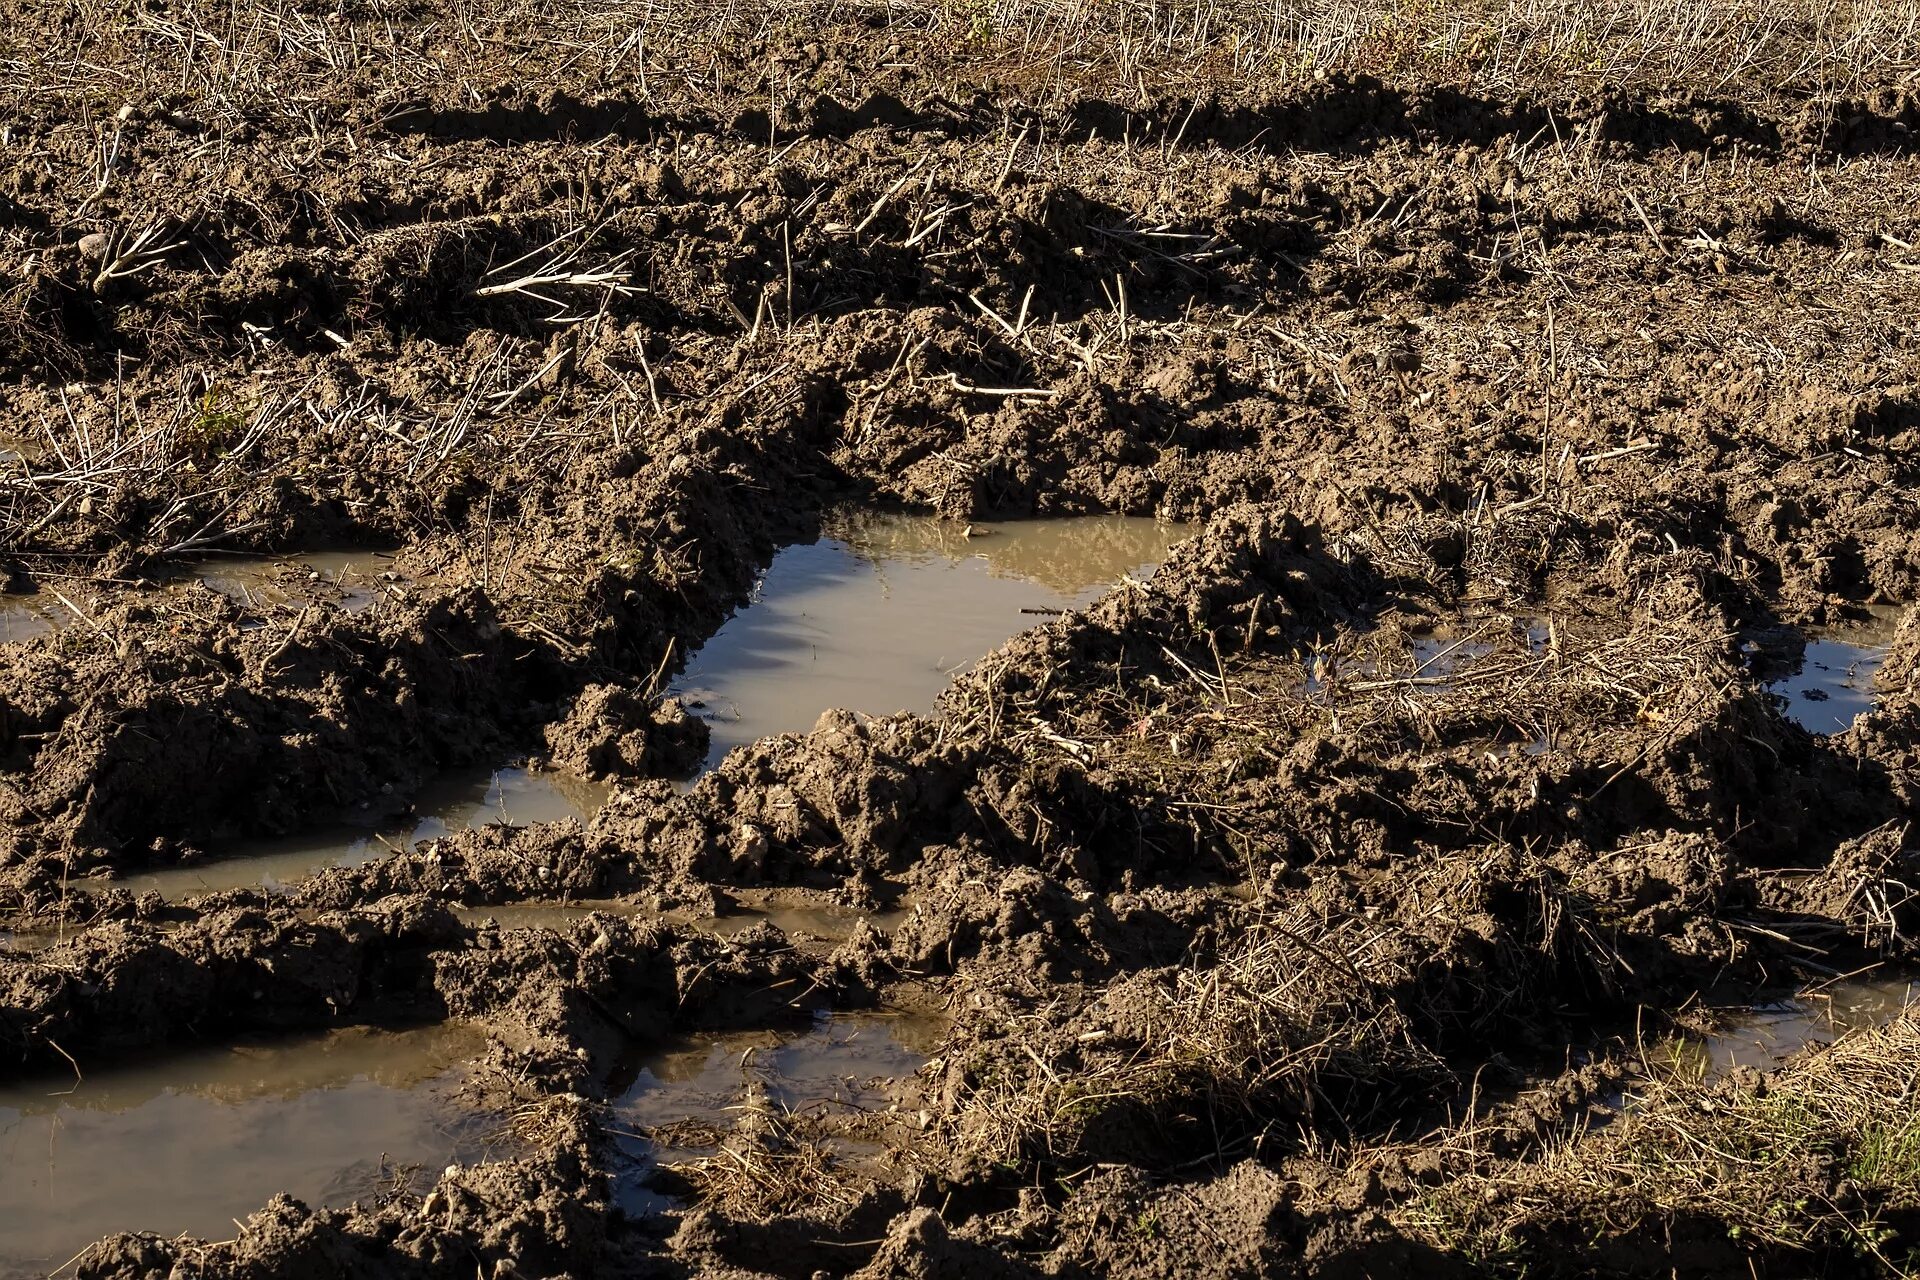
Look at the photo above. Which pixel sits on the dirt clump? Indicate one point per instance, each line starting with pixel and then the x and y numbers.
pixel 612 733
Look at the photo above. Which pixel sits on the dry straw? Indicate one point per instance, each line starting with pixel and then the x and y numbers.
pixel 1295 1021
pixel 1808 1158
pixel 275 57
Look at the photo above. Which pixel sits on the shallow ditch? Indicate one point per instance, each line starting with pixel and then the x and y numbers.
pixel 190 1142
pixel 877 616
pixel 517 796
pixel 350 581
pixel 793 914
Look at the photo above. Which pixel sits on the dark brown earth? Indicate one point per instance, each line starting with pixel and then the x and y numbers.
pixel 1307 910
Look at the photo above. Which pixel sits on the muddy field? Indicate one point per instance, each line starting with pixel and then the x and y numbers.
pixel 959 639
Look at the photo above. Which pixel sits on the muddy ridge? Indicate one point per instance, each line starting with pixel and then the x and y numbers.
pixel 1484 672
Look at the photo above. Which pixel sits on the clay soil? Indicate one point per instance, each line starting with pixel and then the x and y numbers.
pixel 1534 379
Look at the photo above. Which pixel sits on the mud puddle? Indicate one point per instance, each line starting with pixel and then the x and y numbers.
pixel 1767 1034
pixel 350 580
pixel 22 617
pixel 880 614
pixel 347 580
pixel 845 1076
pixel 876 617
pixel 518 796
pixel 558 916
pixel 194 1142
pixel 1830 684
pixel 1832 687
pixel 835 924
pixel 1428 660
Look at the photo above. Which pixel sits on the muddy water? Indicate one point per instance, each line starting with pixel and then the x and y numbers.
pixel 191 1143
pixel 1767 1034
pixel 347 580
pixel 1831 685
pixel 24 940
pixel 353 580
pixel 22 617
pixel 558 916
pixel 879 614
pixel 517 796
pixel 876 617
pixel 682 1102
pixel 836 924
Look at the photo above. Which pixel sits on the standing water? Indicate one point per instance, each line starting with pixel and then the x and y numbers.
pixel 881 613
pixel 348 580
pixel 1767 1034
pixel 354 579
pixel 847 1074
pixel 191 1143
pixel 22 617
pixel 1831 685
pixel 517 796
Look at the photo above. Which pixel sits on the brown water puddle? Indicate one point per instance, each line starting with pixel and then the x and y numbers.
pixel 793 913
pixel 880 614
pixel 1432 655
pixel 848 1068
pixel 517 796
pixel 189 1144
pixel 29 939
pixel 22 617
pixel 349 580
pixel 1772 1032
pixel 1767 1034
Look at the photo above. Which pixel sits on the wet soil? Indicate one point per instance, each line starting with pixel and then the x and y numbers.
pixel 1522 457
pixel 847 1078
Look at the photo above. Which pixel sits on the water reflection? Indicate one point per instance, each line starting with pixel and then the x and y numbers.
pixel 880 613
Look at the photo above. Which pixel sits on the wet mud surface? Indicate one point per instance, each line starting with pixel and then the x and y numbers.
pixel 454 802
pixel 908 661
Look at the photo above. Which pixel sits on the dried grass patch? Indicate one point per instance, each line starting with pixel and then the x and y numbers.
pixel 1810 1157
